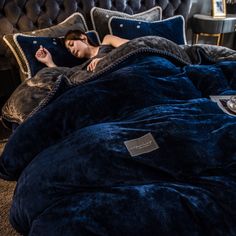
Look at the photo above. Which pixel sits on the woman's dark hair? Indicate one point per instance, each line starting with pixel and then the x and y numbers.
pixel 76 35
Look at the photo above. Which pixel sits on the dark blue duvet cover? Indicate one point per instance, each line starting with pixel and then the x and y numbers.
pixel 77 177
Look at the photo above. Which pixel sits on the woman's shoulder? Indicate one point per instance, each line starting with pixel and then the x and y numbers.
pixel 113 40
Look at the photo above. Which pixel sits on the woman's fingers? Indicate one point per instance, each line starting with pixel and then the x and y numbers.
pixel 42 55
pixel 45 50
pixel 41 52
pixel 38 54
pixel 92 65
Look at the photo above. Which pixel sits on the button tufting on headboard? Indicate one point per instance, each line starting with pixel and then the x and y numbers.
pixel 28 15
pixel 32 14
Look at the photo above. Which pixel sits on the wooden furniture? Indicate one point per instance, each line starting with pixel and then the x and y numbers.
pixel 209 26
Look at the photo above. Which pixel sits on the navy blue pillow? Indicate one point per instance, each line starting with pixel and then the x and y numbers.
pixel 28 45
pixel 172 28
pixel 93 36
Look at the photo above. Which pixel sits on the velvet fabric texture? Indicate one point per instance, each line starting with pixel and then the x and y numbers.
pixel 26 47
pixel 100 18
pixel 35 93
pixel 172 28
pixel 74 21
pixel 43 14
pixel 75 175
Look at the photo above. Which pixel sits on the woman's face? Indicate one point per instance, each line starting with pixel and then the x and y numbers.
pixel 77 48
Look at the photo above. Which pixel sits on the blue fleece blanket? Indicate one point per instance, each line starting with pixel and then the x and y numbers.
pixel 77 177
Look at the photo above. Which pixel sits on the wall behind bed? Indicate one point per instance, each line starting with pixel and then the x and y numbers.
pixel 28 15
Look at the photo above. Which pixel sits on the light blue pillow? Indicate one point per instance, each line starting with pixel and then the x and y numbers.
pixel 172 28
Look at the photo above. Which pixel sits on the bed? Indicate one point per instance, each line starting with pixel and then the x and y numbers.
pixel 145 145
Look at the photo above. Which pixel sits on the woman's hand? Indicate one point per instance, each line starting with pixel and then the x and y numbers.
pixel 44 56
pixel 92 65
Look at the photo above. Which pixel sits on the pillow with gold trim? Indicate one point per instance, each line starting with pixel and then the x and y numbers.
pixel 75 21
pixel 27 45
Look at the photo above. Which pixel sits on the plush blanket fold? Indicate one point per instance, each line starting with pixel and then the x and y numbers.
pixel 36 93
pixel 75 174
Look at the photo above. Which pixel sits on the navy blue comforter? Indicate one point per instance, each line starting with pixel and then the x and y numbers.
pixel 76 176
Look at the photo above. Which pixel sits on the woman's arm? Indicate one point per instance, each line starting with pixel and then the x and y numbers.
pixel 108 40
pixel 45 57
pixel 113 40
pixel 92 65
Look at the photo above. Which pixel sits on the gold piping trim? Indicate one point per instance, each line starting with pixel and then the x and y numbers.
pixel 16 55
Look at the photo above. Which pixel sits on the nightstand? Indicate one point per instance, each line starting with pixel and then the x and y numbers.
pixel 209 26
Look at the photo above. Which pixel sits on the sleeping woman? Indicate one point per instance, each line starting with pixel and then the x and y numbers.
pixel 77 42
pixel 79 45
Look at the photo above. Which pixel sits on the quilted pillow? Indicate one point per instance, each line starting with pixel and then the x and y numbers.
pixel 100 18
pixel 25 47
pixel 172 28
pixel 75 21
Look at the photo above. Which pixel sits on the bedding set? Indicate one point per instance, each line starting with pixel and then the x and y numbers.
pixel 135 148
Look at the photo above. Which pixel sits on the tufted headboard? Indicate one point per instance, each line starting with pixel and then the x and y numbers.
pixel 28 15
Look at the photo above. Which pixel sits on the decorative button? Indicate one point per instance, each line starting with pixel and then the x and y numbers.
pixel 121 25
pixel 138 26
pixel 35 42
